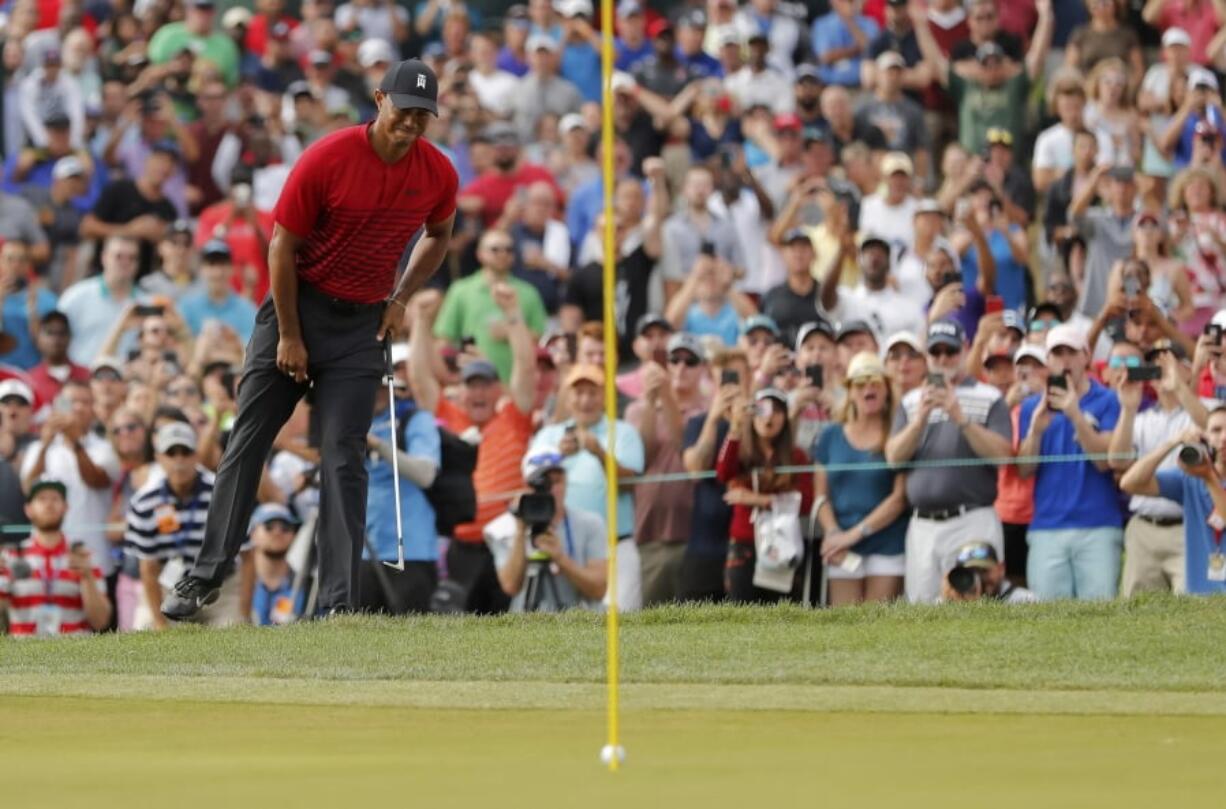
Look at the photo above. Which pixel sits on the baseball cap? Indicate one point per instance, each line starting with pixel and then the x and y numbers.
pixel 728 35
pixel 319 58
pixel 755 322
pixel 999 136
pixel 375 50
pixel 179 227
pixel 989 50
pixel 540 461
pixel 271 512
pixel 66 167
pixel 1014 320
pixel 788 121
pixel 1157 348
pixel 627 7
pixel 15 387
pixel 895 162
pixel 411 85
pixel 46 483
pixel 795 235
pixel 872 239
pixel 1176 36
pixel 570 122
pixel 1068 336
pixel 1031 351
pixel 235 17
pixel 1045 308
pixel 501 132
pixel 479 369
pixel 807 71
pixel 174 434
pixel 166 146
pixel 977 554
pixel 928 205
pixel 850 327
pixel 694 18
pixel 819 326
pixel 659 27
pixel 215 248
pixel 865 365
pixel 585 373
pixel 889 59
pixel 301 88
pixel 622 82
pixel 997 356
pixel 106 363
pixel 1123 174
pixel 574 8
pixel 772 393
pixel 538 42
pixel 683 341
pixel 56 118
pixel 650 319
pixel 1199 77
pixel 946 333
pixel 899 338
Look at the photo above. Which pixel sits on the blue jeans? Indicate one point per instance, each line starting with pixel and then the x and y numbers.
pixel 1074 563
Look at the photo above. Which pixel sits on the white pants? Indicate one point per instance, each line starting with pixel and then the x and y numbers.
pixel 932 546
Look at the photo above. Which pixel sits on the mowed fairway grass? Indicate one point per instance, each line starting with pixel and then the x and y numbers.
pixel 1079 705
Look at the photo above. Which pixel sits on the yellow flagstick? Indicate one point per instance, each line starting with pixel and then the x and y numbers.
pixel 612 752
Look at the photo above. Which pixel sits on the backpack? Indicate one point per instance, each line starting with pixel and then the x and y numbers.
pixel 452 494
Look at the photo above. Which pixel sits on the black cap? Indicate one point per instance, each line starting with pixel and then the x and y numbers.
pixel 56 119
pixel 215 249
pixel 46 483
pixel 1123 174
pixel 179 227
pixel 166 146
pixel 411 85
pixel 1047 307
pixel 650 319
pixel 55 316
pixel 850 327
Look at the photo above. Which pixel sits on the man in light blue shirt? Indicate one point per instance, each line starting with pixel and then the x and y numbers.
pixel 217 301
pixel 95 304
pixel 840 39
pixel 418 456
pixel 582 440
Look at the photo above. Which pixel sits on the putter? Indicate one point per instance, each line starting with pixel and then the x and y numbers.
pixel 391 414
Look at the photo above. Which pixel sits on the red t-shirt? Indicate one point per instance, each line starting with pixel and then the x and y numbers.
pixel 244 245
pixel 257 31
pixel 357 214
pixel 495 188
pixel 46 387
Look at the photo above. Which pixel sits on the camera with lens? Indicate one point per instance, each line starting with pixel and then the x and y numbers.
pixel 1195 454
pixel 536 510
pixel 966 581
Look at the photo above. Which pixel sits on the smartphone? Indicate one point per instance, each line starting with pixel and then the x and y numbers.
pixel 993 304
pixel 851 562
pixel 1214 332
pixel 1144 373
pixel 815 373
pixel 729 377
pixel 1057 381
pixel 660 357
pixel 707 248
pixel 936 380
pixel 950 278
pixel 149 310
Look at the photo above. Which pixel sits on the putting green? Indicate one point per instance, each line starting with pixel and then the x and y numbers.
pixel 105 753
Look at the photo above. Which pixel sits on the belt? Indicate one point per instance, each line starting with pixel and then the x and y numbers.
pixel 943 514
pixel 338 304
pixel 1162 522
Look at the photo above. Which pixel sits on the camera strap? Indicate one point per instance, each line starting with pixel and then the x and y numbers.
pixel 566 536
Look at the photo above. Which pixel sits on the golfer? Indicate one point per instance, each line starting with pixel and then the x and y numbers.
pixel 348 209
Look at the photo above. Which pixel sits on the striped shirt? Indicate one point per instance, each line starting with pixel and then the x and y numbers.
pixel 163 527
pixel 43 592
pixel 504 440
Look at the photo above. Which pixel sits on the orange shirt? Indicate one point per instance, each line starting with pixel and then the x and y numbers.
pixel 504 440
pixel 1014 494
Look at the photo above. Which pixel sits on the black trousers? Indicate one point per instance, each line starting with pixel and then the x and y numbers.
pixel 472 565
pixel 396 592
pixel 345 362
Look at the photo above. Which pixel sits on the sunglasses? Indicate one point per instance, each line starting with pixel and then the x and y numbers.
pixel 944 351
pixel 179 452
pixel 866 381
pixel 1061 285
pixel 1042 325
pixel 1124 362
pixel 688 360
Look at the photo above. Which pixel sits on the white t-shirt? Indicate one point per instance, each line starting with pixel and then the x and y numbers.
pixel 909 273
pixel 495 92
pixel 894 223
pixel 375 21
pixel 88 509
pixel 887 310
pixel 764 266
pixel 769 87
pixel 1053 149
pixel 1150 430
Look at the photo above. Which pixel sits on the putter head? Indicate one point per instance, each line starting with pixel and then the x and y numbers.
pixel 398 565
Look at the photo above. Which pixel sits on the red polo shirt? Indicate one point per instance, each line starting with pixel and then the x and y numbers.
pixel 495 188
pixel 357 214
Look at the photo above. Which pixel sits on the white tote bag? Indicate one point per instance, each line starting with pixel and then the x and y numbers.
pixel 778 545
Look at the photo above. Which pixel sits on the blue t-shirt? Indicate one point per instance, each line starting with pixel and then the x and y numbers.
pixel 1183 148
pixel 581 66
pixel 724 324
pixel 830 33
pixel 419 438
pixel 237 312
pixel 1074 494
pixel 17 324
pixel 585 479
pixel 628 57
pixel 701 65
pixel 39 176
pixel 1198 537
pixel 279 606
pixel 1010 275
pixel 855 493
pixel 712 518
pixel 509 62
pixel 968 316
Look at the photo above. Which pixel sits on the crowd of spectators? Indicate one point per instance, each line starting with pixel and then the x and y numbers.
pixel 948 276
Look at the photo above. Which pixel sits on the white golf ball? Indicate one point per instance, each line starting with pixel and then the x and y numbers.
pixel 608 751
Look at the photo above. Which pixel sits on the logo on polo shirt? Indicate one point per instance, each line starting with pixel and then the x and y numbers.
pixel 421 80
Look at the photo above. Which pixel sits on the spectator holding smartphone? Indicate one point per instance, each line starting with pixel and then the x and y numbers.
pixel 954 417
pixel 864 514
pixel 1076 535
pixel 48 586
pixel 1153 538
pixel 1197 486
